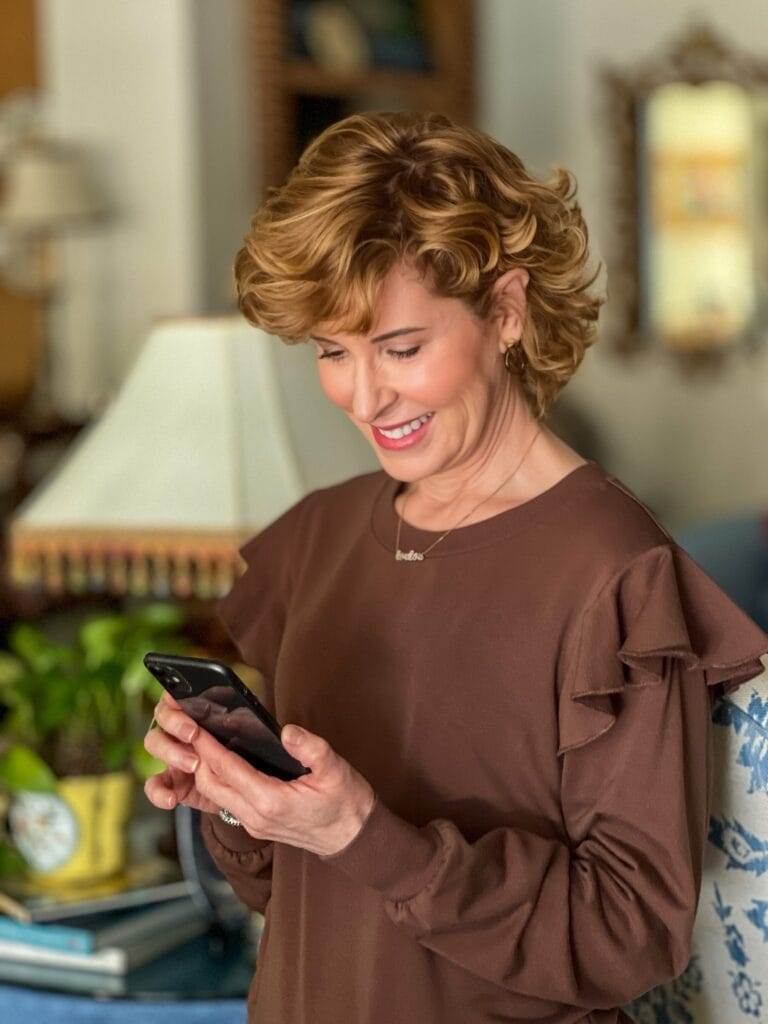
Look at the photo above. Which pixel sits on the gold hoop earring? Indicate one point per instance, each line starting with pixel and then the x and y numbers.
pixel 514 359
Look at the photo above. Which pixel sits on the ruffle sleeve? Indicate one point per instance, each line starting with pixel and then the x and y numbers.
pixel 254 610
pixel 253 614
pixel 659 608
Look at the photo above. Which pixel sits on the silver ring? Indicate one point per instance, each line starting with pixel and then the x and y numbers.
pixel 229 818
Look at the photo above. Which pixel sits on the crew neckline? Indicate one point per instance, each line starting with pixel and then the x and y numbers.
pixel 384 516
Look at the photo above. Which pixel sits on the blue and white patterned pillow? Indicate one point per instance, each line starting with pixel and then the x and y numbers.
pixel 726 980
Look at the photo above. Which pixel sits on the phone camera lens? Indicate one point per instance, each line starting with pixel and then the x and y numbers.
pixel 178 683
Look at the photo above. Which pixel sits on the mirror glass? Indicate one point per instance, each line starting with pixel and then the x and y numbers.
pixel 702 172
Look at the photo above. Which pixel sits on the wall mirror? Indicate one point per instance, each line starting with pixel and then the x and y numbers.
pixel 688 267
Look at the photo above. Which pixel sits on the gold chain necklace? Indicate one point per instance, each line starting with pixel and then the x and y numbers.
pixel 418 556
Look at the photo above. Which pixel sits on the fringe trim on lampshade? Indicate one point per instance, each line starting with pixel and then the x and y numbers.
pixel 157 563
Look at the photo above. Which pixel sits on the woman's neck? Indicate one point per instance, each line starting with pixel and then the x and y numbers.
pixel 531 464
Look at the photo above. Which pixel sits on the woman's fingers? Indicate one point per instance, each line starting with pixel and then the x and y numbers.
pixel 168 788
pixel 164 747
pixel 167 698
pixel 175 722
pixel 173 787
pixel 222 795
pixel 237 772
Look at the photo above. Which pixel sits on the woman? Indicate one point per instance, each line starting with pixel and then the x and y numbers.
pixel 501 665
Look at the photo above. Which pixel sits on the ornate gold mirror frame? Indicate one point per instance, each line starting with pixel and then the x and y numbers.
pixel 689 213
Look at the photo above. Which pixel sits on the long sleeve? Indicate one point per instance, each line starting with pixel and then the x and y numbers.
pixel 602 915
pixel 254 613
pixel 245 862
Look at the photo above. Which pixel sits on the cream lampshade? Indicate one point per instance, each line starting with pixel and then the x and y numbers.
pixel 217 429
pixel 46 188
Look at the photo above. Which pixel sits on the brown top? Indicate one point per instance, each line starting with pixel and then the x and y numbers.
pixel 532 706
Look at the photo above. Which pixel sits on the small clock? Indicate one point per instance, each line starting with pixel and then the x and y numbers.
pixel 44 830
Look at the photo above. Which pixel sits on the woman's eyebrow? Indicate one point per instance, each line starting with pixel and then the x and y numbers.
pixel 381 337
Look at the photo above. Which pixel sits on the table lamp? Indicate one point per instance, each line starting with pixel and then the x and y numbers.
pixel 48 192
pixel 217 429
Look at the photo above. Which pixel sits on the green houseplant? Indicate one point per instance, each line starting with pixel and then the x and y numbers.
pixel 72 721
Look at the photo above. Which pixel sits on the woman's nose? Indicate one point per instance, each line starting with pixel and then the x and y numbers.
pixel 369 393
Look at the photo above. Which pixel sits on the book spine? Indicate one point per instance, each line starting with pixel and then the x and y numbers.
pixel 47 936
pixel 113 961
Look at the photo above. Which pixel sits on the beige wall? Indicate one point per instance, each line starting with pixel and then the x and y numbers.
pixel 119 78
pixel 160 92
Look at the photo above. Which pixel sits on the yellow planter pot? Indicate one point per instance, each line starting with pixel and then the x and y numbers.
pixel 78 833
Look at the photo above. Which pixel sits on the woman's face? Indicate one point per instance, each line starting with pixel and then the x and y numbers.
pixel 441 377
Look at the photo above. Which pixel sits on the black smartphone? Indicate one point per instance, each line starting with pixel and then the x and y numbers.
pixel 220 702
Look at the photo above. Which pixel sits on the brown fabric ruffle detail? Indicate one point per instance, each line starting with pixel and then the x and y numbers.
pixel 661 607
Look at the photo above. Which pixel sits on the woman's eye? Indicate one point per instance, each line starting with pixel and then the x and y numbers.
pixel 407 353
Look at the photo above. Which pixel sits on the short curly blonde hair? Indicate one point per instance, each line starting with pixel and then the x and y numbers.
pixel 381 188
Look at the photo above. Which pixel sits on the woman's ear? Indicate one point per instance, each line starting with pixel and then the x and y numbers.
pixel 511 305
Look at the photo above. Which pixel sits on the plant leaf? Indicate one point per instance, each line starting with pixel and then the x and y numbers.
pixel 101 638
pixel 12 864
pixel 55 709
pixel 144 764
pixel 11 669
pixel 32 646
pixel 21 768
pixel 159 616
pixel 136 677
pixel 117 753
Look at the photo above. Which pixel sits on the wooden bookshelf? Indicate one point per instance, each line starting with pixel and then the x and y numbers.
pixel 297 98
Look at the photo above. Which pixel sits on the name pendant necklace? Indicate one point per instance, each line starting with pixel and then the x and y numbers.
pixel 418 556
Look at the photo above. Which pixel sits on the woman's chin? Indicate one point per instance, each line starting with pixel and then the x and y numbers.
pixel 409 470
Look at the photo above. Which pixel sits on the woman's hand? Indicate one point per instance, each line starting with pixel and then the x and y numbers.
pixel 171 743
pixel 320 812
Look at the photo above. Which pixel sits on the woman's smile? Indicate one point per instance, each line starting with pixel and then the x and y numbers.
pixel 404 436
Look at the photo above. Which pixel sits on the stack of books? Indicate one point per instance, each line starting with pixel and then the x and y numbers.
pixel 91 943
